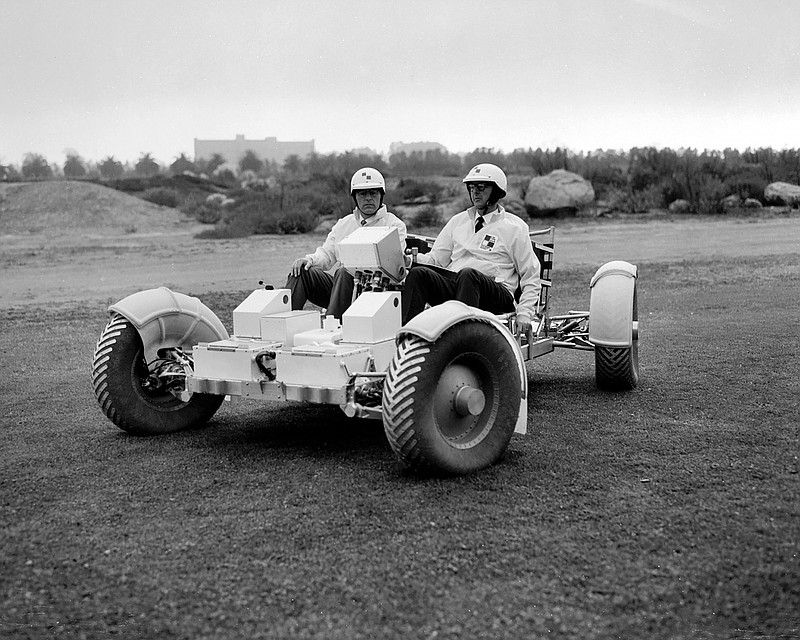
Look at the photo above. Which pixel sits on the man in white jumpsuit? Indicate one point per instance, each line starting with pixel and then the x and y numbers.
pixel 310 277
pixel 481 257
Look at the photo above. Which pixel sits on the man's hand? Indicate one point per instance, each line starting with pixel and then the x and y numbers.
pixel 524 326
pixel 298 265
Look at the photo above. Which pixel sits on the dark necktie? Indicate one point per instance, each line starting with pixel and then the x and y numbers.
pixel 478 223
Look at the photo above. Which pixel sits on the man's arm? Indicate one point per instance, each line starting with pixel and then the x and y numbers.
pixel 529 270
pixel 401 230
pixel 324 256
pixel 442 250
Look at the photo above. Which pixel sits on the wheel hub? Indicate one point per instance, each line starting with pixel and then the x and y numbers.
pixel 469 401
pixel 459 400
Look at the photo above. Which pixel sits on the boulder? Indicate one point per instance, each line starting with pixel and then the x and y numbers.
pixel 782 193
pixel 559 190
pixel 515 206
pixel 752 203
pixel 680 206
pixel 731 202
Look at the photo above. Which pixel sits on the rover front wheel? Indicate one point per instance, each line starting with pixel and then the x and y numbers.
pixel 450 406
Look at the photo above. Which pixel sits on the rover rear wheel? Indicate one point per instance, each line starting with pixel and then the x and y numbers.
pixel 617 368
pixel 144 398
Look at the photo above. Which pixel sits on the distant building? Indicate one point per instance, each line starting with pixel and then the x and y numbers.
pixel 363 151
pixel 268 149
pixel 410 147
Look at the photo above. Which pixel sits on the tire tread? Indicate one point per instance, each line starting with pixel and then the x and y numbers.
pixel 615 369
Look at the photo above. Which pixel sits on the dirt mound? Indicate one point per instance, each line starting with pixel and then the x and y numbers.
pixel 59 208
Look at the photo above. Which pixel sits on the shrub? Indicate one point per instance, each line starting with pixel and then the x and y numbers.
pixel 630 201
pixel 218 200
pixel 225 177
pixel 208 214
pixel 254 203
pixel 258 212
pixel 296 221
pixel 409 189
pixel 746 185
pixel 163 196
pixel 710 195
pixel 328 204
pixel 428 216
pixel 191 204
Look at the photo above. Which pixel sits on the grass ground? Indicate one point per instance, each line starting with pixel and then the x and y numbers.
pixel 669 512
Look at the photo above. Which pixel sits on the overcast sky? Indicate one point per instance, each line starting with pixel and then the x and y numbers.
pixel 102 77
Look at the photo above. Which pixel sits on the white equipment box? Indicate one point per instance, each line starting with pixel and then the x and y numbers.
pixel 373 317
pixel 282 327
pixel 317 337
pixel 374 249
pixel 382 353
pixel 320 366
pixel 247 316
pixel 231 359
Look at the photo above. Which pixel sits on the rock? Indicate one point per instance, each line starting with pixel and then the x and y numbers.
pixel 558 191
pixel 731 202
pixel 782 193
pixel 515 206
pixel 680 206
pixel 752 203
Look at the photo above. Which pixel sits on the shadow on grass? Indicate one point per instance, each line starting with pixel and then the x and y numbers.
pixel 256 433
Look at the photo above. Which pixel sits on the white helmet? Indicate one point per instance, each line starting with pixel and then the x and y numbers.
pixel 367 178
pixel 488 173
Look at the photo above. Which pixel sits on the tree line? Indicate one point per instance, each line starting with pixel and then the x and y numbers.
pixel 634 180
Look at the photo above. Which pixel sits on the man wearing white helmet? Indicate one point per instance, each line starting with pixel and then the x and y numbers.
pixel 481 257
pixel 310 277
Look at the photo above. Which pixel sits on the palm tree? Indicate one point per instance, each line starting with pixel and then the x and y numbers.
pixel 146 166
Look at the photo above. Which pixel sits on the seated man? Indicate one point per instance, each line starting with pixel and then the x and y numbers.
pixel 309 278
pixel 480 257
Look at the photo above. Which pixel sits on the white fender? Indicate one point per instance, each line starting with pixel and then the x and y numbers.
pixel 433 322
pixel 611 304
pixel 165 318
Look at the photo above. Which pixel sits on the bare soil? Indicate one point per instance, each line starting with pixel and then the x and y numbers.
pixel 62 241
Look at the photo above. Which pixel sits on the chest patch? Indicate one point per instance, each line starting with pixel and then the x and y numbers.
pixel 488 242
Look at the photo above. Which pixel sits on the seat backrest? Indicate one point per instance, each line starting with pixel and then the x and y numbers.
pixel 543 242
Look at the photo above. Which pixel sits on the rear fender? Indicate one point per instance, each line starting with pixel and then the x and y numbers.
pixel 611 305
pixel 165 318
pixel 433 322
